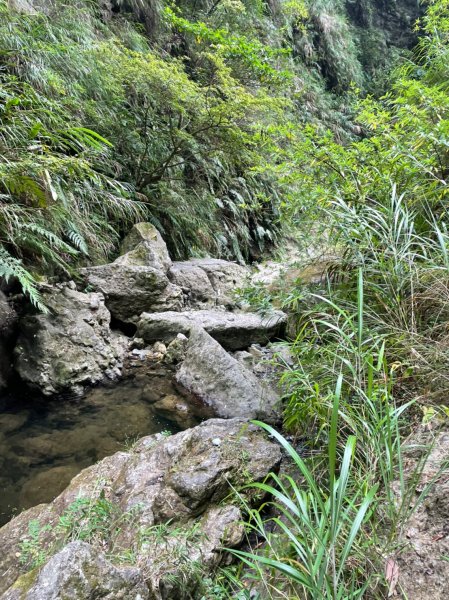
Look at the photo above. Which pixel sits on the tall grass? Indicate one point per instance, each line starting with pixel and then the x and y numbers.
pixel 333 522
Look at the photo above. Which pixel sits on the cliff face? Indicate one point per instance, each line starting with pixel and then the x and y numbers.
pixel 382 27
pixel 394 18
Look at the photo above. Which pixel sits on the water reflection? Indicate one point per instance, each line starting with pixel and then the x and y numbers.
pixel 44 444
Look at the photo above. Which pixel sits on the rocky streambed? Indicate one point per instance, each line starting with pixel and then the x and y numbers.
pixel 135 347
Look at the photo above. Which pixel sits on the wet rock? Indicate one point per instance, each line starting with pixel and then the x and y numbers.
pixel 176 410
pixel 35 490
pixel 79 572
pixel 130 290
pixel 181 481
pixel 208 282
pixel 72 346
pixel 219 381
pixel 233 330
pixel 10 422
pixel 144 246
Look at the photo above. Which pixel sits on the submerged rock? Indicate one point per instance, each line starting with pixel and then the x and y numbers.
pixel 80 572
pixel 222 383
pixel 233 330
pixel 71 347
pixel 208 282
pixel 180 482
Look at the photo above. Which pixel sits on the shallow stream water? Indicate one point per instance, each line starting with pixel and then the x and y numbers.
pixel 44 444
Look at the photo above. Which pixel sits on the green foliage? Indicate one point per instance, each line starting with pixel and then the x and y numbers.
pixel 100 130
pixel 31 548
pixel 89 520
pixel 322 525
pixel 374 329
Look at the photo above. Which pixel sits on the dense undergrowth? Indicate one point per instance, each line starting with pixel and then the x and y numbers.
pixel 370 340
pixel 115 112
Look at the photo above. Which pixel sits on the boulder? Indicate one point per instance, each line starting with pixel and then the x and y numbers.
pixel 130 290
pixel 79 572
pixel 144 246
pixel 137 280
pixel 208 282
pixel 180 483
pixel 233 330
pixel 70 347
pixel 219 381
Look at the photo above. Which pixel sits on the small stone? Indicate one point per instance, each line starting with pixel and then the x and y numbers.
pixel 95 303
pixel 160 348
pixel 216 442
pixel 138 343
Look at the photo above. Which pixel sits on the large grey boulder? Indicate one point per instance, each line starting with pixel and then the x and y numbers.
pixel 218 380
pixel 208 282
pixel 8 320
pixel 130 290
pixel 182 482
pixel 70 347
pixel 80 572
pixel 233 330
pixel 137 280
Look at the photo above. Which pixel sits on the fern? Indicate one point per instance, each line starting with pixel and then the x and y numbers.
pixel 12 268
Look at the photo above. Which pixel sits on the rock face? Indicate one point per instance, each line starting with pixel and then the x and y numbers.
pixel 221 382
pixel 132 289
pixel 79 571
pixel 179 482
pixel 208 282
pixel 70 347
pixel 8 320
pixel 137 281
pixel 232 330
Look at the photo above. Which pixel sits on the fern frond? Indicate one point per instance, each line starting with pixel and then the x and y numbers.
pixel 12 268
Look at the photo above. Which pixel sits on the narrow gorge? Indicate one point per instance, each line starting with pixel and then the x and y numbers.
pixel 224 298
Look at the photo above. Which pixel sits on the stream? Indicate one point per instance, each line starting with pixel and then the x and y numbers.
pixel 45 443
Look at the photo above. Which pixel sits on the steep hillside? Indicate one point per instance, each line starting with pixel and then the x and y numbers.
pixel 121 110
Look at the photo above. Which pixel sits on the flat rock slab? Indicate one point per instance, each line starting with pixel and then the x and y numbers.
pixel 181 481
pixel 233 330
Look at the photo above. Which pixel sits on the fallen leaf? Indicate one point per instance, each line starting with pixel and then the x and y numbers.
pixel 391 575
